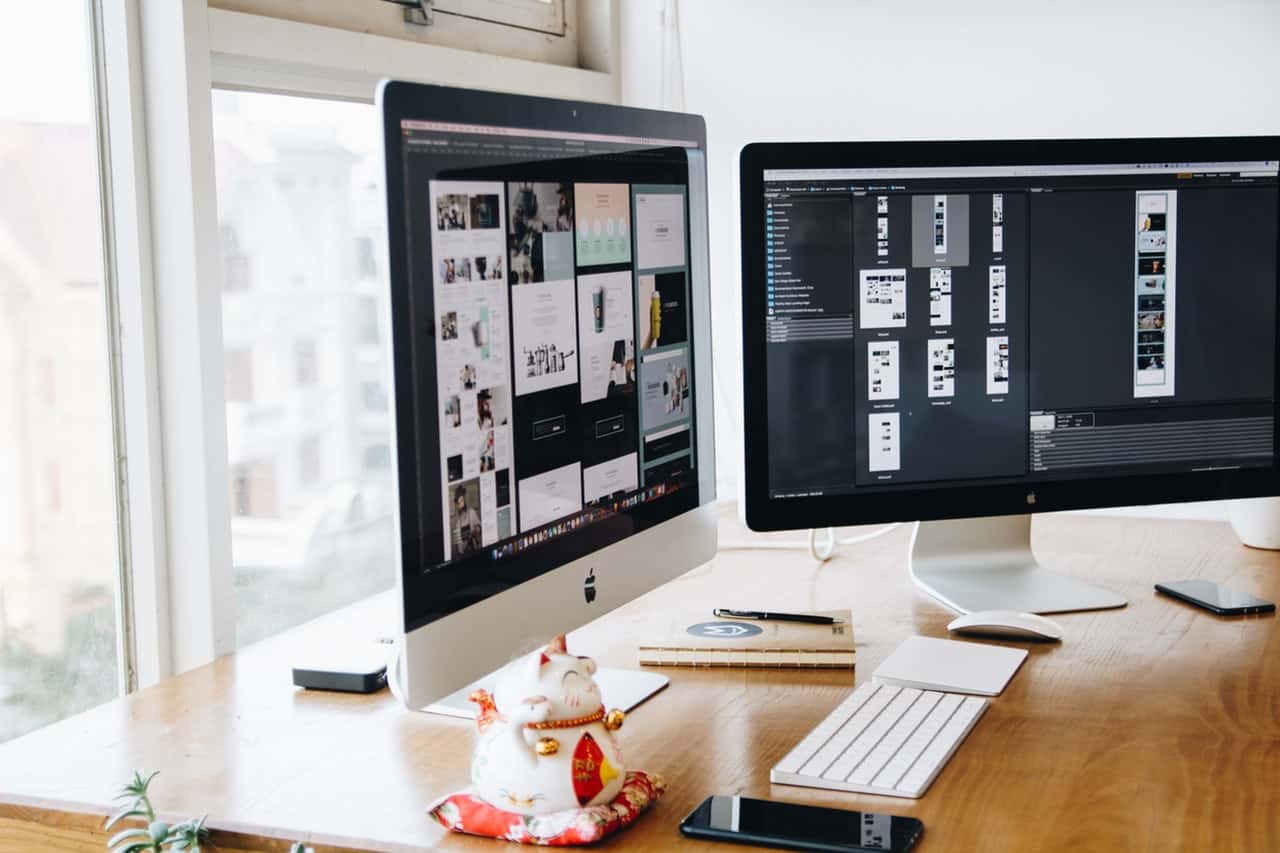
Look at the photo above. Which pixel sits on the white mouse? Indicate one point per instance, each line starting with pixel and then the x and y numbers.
pixel 1007 623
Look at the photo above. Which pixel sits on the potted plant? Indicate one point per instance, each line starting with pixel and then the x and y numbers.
pixel 154 835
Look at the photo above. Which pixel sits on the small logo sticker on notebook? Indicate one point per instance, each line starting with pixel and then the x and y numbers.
pixel 724 630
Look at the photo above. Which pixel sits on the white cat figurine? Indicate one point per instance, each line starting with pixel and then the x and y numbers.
pixel 546 742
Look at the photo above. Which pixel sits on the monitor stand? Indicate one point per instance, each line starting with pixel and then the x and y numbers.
pixel 623 689
pixel 986 564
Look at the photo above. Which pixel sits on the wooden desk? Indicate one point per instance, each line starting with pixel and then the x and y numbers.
pixel 1154 728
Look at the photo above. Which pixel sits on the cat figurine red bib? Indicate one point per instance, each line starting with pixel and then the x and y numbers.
pixel 546 741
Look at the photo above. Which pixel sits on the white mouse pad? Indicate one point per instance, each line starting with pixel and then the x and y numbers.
pixel 950 666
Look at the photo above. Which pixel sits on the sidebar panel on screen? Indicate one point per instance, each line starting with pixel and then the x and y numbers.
pixel 809 344
pixel 473 356
pixel 662 311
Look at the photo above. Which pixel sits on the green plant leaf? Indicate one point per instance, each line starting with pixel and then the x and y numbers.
pixel 134 847
pixel 136 832
pixel 188 835
pixel 135 792
pixel 159 831
pixel 137 786
pixel 121 815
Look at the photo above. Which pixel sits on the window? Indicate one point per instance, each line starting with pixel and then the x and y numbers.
pixel 366 258
pixel 538 30
pixel 545 16
pixel 235 266
pixel 58 558
pixel 300 187
pixel 375 396
pixel 239 367
pixel 253 490
pixel 309 460
pixel 369 333
pixel 305 361
pixel 377 457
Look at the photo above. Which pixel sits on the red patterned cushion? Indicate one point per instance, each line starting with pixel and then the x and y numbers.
pixel 465 812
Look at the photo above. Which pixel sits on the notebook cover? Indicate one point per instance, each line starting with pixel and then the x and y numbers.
pixel 700 639
pixel 950 666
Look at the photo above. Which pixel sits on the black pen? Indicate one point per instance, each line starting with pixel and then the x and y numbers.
pixel 808 618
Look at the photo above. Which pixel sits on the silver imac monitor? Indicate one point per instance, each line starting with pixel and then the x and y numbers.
pixel 965 333
pixel 550 323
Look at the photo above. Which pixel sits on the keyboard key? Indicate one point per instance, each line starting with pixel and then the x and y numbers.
pixel 882 739
pixel 816 738
pixel 904 749
pixel 884 729
pixel 858 748
pixel 932 759
pixel 841 739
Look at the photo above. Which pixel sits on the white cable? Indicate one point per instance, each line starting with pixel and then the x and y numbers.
pixel 821 555
pixel 395 672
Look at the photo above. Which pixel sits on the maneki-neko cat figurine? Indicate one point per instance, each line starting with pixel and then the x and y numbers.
pixel 547 743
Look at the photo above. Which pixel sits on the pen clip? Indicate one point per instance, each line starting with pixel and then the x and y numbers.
pixel 725 613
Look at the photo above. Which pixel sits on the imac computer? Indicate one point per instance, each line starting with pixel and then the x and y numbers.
pixel 551 355
pixel 965 333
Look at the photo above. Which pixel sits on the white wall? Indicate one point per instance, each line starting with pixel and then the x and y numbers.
pixel 938 69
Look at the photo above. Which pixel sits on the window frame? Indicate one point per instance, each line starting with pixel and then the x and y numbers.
pixel 158 64
pixel 550 20
pixel 264 54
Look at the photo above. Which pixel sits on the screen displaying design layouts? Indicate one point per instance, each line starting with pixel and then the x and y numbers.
pixel 1018 324
pixel 562 387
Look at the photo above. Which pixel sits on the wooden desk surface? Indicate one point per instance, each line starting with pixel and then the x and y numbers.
pixel 1153 728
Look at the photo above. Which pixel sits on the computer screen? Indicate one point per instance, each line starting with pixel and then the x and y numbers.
pixel 940 327
pixel 544 378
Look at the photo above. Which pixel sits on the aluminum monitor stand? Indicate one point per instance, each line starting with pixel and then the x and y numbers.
pixel 977 564
pixel 619 688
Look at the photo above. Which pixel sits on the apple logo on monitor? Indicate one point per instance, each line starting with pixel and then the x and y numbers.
pixel 589 587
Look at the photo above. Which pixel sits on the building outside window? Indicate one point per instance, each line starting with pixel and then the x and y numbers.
pixel 239 367
pixel 300 189
pixel 59 564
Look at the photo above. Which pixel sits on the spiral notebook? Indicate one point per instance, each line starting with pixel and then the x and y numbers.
pixel 700 639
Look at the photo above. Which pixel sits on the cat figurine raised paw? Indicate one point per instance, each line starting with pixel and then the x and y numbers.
pixel 547 743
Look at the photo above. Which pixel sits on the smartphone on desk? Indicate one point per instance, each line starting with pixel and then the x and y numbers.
pixel 1215 597
pixel 795 827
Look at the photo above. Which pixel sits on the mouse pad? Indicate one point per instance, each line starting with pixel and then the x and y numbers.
pixel 950 666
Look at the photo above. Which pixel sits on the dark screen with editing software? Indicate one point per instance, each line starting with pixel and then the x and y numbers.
pixel 934 326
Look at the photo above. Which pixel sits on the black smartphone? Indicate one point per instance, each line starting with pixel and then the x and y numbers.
pixel 1215 597
pixel 795 827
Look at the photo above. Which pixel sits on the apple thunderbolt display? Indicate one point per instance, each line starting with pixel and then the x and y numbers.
pixel 939 331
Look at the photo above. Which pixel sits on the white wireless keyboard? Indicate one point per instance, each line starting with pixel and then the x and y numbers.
pixel 882 740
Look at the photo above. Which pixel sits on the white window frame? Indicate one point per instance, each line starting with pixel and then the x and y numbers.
pixel 275 55
pixel 158 64
pixel 550 18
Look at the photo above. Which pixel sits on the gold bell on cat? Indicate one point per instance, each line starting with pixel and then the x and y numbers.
pixel 547 746
pixel 613 720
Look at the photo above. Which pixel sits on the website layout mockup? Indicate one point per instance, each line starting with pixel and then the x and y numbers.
pixel 1155 280
pixel 919 245
pixel 942 222
pixel 562 345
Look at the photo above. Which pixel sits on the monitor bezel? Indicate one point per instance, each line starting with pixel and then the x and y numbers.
pixel 939 501
pixel 398 101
